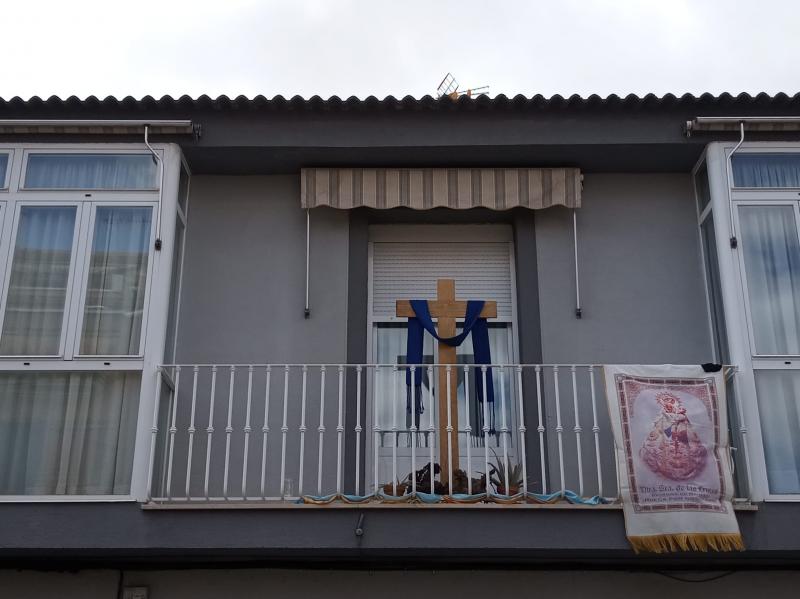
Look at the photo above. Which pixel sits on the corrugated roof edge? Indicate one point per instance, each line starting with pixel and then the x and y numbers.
pixel 407 102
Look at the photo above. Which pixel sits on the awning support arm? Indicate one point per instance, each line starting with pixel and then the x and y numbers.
pixel 307 311
pixel 578 310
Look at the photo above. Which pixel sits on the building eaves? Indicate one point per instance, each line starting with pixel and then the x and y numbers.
pixel 410 103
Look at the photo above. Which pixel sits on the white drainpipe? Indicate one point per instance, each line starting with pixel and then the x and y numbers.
pixel 734 241
pixel 160 163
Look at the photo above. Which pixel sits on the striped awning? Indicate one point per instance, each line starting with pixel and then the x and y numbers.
pixel 426 188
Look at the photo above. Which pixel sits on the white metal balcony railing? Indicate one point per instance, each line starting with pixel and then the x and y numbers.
pixel 267 432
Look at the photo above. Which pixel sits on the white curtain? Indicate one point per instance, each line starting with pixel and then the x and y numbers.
pixel 90 171
pixel 766 170
pixel 772 263
pixel 67 433
pixel 112 321
pixel 779 409
pixel 38 284
pixel 391 349
pixel 3 169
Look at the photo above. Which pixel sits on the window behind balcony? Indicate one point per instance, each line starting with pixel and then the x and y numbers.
pixel 766 213
pixel 76 260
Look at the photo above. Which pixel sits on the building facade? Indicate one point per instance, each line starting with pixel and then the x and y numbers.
pixel 198 327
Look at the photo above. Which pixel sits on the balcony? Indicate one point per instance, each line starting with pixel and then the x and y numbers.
pixel 278 434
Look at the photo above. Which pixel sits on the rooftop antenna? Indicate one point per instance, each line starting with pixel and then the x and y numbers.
pixel 449 87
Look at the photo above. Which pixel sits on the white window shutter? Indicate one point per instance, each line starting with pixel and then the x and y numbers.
pixel 409 270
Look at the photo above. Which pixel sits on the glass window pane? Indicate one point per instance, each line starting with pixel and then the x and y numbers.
pixel 112 321
pixel 766 170
pixel 37 289
pixel 779 410
pixel 90 171
pixel 67 433
pixel 183 189
pixel 172 316
pixel 714 289
pixel 3 170
pixel 703 191
pixel 772 263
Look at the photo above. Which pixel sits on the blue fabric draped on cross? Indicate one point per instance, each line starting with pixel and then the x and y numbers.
pixel 474 324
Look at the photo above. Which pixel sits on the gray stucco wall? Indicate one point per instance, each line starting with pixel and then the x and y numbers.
pixel 242 303
pixel 642 299
pixel 641 286
pixel 244 275
pixel 101 584
pixel 640 274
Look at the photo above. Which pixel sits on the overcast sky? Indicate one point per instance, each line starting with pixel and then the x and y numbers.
pixel 399 47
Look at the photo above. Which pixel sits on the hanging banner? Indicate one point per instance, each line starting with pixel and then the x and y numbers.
pixel 673 457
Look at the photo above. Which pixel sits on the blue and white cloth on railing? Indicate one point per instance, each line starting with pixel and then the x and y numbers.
pixel 432 498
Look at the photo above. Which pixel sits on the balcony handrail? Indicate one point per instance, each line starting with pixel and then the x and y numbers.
pixel 295 412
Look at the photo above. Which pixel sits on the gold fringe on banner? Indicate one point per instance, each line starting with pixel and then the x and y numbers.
pixel 688 542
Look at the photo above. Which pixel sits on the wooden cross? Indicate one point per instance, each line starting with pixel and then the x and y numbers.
pixel 446 309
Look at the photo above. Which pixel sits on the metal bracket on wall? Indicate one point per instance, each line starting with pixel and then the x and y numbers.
pixel 307 310
pixel 578 309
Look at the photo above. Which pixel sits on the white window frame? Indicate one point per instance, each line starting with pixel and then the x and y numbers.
pixel 735 297
pixel 182 214
pixel 154 319
pixel 448 233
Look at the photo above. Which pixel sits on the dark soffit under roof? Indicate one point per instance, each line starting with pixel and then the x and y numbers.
pixel 612 133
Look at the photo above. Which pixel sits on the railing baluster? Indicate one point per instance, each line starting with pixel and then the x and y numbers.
pixel 172 430
pixel 154 435
pixel 247 430
pixel 540 429
pixel 394 429
pixel 522 431
pixel 504 427
pixel 302 430
pixel 284 429
pixel 559 430
pixel 265 434
pixel 448 375
pixel 577 430
pixel 431 427
pixel 228 431
pixel 486 428
pixel 376 429
pixel 340 433
pixel 210 427
pixel 192 430
pixel 468 430
pixel 321 427
pixel 596 433
pixel 358 429
pixel 414 400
